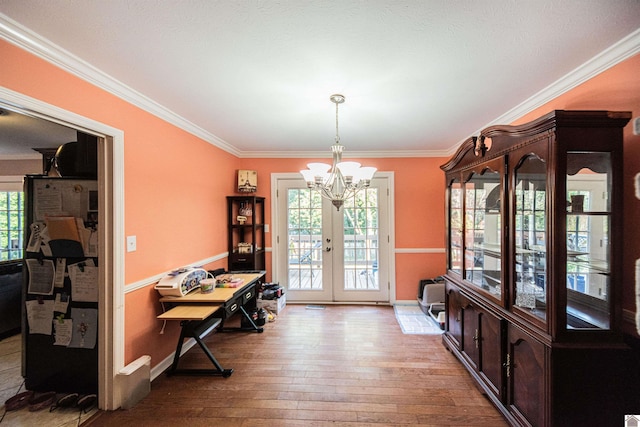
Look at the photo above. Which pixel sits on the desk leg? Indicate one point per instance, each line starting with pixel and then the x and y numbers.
pixel 196 331
pixel 251 322
pixel 176 356
pixel 219 369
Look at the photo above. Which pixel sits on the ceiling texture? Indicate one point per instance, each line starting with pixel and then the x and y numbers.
pixel 254 77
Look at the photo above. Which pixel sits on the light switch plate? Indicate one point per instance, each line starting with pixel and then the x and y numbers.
pixel 636 126
pixel 131 243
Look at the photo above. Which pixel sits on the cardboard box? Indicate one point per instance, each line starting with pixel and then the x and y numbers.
pixel 274 305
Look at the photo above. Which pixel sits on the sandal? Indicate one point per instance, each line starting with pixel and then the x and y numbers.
pixel 18 401
pixel 66 401
pixel 41 401
pixel 86 402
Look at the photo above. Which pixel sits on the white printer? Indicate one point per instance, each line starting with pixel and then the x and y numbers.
pixel 180 282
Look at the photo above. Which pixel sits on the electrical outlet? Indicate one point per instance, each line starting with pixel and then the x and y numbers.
pixel 266 228
pixel 131 243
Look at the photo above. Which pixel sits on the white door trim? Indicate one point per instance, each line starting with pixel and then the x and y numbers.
pixel 111 184
pixel 275 252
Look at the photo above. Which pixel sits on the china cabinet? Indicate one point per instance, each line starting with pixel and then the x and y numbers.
pixel 533 282
pixel 246 233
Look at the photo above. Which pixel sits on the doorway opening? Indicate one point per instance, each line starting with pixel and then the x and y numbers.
pixel 111 250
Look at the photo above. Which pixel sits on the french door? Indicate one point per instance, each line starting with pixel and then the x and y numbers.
pixel 326 255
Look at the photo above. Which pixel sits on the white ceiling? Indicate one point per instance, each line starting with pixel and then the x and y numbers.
pixel 255 76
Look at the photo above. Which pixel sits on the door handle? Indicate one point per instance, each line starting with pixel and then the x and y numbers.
pixel 508 365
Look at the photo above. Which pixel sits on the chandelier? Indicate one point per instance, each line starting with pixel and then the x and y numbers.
pixel 341 180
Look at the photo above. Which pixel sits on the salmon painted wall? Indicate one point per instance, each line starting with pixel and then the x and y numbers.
pixel 175 188
pixel 617 89
pixel 176 184
pixel 419 212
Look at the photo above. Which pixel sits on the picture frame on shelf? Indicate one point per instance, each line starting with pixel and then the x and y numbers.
pixel 247 181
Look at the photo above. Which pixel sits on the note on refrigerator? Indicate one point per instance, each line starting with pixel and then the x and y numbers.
pixel 41 276
pixel 39 316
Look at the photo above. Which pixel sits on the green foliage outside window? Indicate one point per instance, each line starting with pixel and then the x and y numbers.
pixel 11 225
pixel 362 211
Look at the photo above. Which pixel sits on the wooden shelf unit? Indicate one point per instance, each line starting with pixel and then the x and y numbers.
pixel 250 232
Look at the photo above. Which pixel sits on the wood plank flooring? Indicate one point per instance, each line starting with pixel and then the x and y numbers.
pixel 340 366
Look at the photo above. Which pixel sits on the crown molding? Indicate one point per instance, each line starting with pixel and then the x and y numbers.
pixel 346 155
pixel 613 55
pixel 33 43
pixel 624 49
pixel 26 39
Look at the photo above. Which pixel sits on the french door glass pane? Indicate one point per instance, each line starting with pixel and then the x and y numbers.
pixel 304 212
pixel 361 245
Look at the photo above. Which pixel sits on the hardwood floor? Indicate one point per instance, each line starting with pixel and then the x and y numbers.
pixel 338 366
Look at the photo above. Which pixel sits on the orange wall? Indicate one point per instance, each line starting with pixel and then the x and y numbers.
pixel 175 188
pixel 617 89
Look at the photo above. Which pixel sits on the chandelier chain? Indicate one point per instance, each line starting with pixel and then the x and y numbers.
pixel 337 134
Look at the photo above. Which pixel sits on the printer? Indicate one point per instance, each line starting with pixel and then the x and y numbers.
pixel 180 282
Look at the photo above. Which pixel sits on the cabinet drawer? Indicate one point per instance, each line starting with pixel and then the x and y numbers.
pixel 241 258
pixel 248 294
pixel 232 306
pixel 241 262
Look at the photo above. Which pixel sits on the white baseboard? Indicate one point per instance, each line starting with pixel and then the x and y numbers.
pixel 167 361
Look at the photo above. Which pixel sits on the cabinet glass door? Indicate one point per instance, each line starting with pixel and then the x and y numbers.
pixel 588 240
pixel 455 226
pixel 530 236
pixel 483 230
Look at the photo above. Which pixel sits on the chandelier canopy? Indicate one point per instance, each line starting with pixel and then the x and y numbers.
pixel 341 180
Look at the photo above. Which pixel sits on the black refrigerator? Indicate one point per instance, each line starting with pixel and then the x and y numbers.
pixel 61 285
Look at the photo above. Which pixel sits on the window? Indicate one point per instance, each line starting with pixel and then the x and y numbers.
pixel 11 225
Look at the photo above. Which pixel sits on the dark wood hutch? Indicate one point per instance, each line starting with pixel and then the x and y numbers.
pixel 534 267
pixel 246 233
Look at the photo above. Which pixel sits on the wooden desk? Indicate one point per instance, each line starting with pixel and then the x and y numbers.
pixel 196 312
pixel 231 299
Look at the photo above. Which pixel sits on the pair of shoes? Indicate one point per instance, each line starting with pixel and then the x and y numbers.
pixel 66 401
pixel 41 401
pixel 18 401
pixel 84 403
